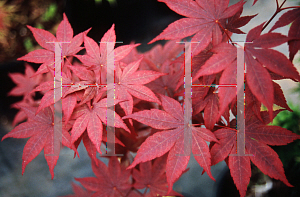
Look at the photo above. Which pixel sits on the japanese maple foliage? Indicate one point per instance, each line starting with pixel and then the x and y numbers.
pixel 149 108
pixel 110 181
pixel 40 129
pixel 25 83
pixel 172 140
pixel 203 21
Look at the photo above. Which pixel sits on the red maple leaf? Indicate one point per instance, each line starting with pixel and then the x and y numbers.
pixel 128 142
pixel 130 82
pixel 254 2
pixel 294 31
pixel 90 147
pixel 156 57
pixel 258 78
pixel 258 136
pixel 152 177
pixel 45 39
pixel 96 57
pixel 166 85
pixel 25 83
pixel 236 21
pixel 279 98
pixel 110 181
pixel 172 120
pixel 68 101
pixel 197 62
pixel 91 119
pixel 40 129
pixel 205 67
pixel 203 21
pixel 88 81
pixel 21 115
pixel 134 55
pixel 223 59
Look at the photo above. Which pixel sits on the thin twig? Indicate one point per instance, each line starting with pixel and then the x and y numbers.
pixel 225 32
pixel 67 60
pixel 197 124
pixel 119 192
pixel 282 4
pixel 145 191
pixel 168 92
pixel 292 7
pixel 225 127
pixel 276 12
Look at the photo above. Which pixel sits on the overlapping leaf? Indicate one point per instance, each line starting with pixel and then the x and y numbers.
pixel 236 21
pixel 130 82
pixel 156 57
pixel 257 137
pixel 91 119
pixel 69 45
pixel 166 85
pixel 68 103
pixel 203 21
pixel 172 120
pixel 109 181
pixel 96 56
pixel 152 177
pixel 40 129
pixel 214 61
pixel 25 83
pixel 285 19
pixel 224 59
pixel 258 78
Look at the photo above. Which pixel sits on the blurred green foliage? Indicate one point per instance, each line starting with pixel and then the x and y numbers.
pixel 111 2
pixel 291 121
pixel 50 12
pixel 290 153
pixel 28 45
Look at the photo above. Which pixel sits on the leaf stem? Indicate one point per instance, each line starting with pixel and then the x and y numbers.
pixel 290 7
pixel 196 124
pixel 168 92
pixel 282 4
pixel 145 191
pixel 225 127
pixel 225 32
pixel 278 9
pixel 119 192
pixel 68 60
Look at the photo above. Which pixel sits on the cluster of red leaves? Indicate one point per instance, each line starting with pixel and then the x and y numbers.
pixel 148 107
